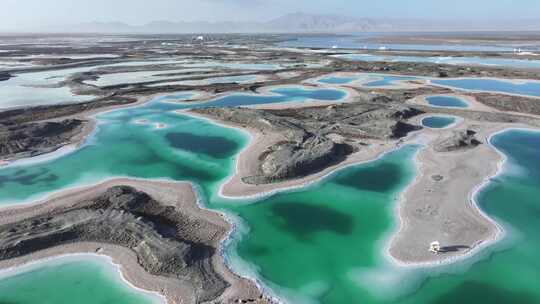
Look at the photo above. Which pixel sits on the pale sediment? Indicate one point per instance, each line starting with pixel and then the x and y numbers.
pixel 440 204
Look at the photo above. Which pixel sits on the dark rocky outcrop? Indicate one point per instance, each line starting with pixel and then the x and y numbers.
pixel 510 103
pixel 433 69
pixel 31 139
pixel 38 113
pixel 316 137
pixel 166 241
pixel 4 76
pixel 459 140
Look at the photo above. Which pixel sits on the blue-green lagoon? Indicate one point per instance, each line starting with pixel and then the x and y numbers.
pixel 447 101
pixel 438 122
pixel 530 88
pixel 78 279
pixel 323 243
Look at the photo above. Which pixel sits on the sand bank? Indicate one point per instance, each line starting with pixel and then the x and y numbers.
pixel 440 205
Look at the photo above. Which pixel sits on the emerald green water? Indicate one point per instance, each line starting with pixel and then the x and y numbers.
pixel 187 149
pixel 438 122
pixel 312 240
pixel 128 143
pixel 70 280
pixel 322 243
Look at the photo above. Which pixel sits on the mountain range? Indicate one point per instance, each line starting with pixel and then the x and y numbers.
pixel 295 23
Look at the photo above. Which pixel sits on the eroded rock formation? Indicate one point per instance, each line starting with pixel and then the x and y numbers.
pixel 316 137
pixel 30 139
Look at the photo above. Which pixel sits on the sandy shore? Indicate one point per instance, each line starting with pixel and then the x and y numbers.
pixel 180 195
pixel 439 205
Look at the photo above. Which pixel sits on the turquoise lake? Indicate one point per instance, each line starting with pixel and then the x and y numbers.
pixel 438 122
pixel 492 85
pixel 71 280
pixel 330 234
pixel 447 101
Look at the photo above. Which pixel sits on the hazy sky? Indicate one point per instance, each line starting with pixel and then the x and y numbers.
pixel 25 13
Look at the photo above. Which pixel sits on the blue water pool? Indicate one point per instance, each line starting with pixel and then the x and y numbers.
pixel 493 85
pixel 438 122
pixel 287 94
pixel 447 101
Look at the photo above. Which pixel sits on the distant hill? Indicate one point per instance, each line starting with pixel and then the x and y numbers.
pixel 300 22
pixel 297 23
pixel 290 23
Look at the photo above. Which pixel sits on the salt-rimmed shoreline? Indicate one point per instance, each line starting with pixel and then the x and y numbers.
pixel 457 121
pixel 366 78
pixel 81 257
pixel 333 171
pixel 444 260
pixel 253 275
pixel 499 233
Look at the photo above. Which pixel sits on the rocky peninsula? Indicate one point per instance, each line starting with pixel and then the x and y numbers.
pixel 157 225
